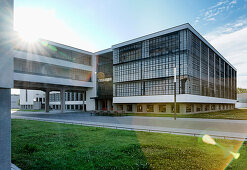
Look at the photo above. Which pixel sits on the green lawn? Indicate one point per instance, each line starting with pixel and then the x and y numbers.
pixel 236 114
pixel 43 145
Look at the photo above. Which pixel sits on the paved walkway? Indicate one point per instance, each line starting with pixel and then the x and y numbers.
pixel 189 126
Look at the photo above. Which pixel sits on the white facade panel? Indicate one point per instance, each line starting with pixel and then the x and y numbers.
pixel 181 98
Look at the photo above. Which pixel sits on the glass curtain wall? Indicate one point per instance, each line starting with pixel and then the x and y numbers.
pixel 146 68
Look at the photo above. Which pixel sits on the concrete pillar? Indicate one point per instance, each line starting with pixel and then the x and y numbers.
pixel 203 107
pixel 144 108
pixel 47 100
pixel 109 105
pixel 83 101
pixel 195 107
pixel 5 128
pixel 125 107
pixel 169 108
pixel 6 80
pixel 114 107
pixel 156 108
pixel 62 100
pixel 217 107
pixel 182 108
pixel 134 110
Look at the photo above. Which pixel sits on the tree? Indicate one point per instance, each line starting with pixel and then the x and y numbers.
pixel 241 90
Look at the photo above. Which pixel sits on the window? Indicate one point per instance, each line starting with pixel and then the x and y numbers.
pixel 206 107
pixel 162 108
pixel 150 108
pixel 212 107
pixel 198 107
pixel 129 108
pixel 139 108
pixel 189 108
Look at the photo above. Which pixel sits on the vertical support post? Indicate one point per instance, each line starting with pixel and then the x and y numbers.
pixel 83 101
pixel 62 100
pixel 6 80
pixel 175 97
pixel 5 128
pixel 47 100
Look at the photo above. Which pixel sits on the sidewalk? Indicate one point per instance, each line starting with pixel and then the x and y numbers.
pixel 119 125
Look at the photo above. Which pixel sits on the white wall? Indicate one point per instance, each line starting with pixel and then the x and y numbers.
pixel 240 105
pixel 31 96
pixel 182 98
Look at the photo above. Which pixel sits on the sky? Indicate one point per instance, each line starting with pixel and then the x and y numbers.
pixel 94 25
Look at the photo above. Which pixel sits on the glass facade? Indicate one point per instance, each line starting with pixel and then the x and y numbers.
pixel 44 69
pixel 146 68
pixel 45 49
pixel 105 76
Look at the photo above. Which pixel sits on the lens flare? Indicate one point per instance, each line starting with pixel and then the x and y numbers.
pixel 209 140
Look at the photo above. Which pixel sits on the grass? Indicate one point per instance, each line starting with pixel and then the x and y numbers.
pixel 236 114
pixel 43 145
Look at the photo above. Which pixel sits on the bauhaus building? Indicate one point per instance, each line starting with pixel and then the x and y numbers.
pixel 133 76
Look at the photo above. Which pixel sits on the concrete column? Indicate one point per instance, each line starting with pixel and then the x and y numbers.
pixel 62 100
pixel 168 108
pixel 125 107
pixel 195 107
pixel 109 105
pixel 144 108
pixel 114 107
pixel 83 101
pixel 47 100
pixel 5 128
pixel 203 107
pixel 156 108
pixel 6 80
pixel 134 110
pixel 182 108
pixel 217 107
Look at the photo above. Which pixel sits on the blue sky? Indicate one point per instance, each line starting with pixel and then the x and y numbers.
pixel 95 25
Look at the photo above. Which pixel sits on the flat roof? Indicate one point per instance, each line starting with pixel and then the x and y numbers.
pixel 170 30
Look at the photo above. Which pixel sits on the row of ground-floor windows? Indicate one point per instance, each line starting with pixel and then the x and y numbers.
pixel 26 106
pixel 169 108
pixel 69 107
pixel 149 108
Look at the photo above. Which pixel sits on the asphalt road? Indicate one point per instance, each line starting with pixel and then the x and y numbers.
pixel 219 126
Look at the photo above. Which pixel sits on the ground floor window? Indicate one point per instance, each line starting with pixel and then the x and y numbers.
pixel 207 107
pixel 129 108
pixel 198 107
pixel 212 107
pixel 139 108
pixel 189 108
pixel 162 108
pixel 150 108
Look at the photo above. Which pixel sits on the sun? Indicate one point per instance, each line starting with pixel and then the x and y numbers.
pixel 27 36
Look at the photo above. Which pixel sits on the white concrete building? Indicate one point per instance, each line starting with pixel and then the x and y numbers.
pixel 133 76
pixel 15 101
pixel 35 99
pixel 241 100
